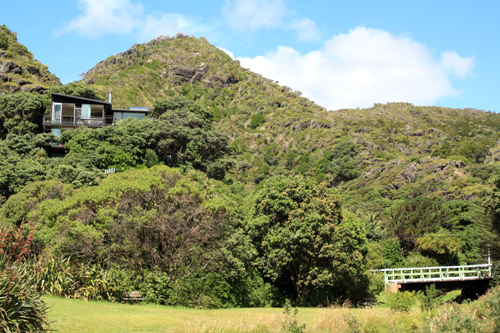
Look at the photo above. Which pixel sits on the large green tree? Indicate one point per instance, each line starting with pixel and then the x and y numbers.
pixel 304 241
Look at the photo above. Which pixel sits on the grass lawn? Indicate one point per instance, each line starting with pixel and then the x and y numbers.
pixel 69 315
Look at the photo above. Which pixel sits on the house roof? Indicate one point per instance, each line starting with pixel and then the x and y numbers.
pixel 80 98
pixel 132 110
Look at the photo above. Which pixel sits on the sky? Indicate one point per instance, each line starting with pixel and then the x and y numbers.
pixel 339 54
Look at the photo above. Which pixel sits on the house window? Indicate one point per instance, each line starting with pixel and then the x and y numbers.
pixel 56 131
pixel 86 111
pixel 56 113
pixel 134 115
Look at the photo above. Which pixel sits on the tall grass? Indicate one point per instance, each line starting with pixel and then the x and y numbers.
pixel 76 315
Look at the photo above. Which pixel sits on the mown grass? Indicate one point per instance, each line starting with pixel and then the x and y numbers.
pixel 68 315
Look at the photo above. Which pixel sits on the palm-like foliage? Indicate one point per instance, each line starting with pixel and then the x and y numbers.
pixel 21 308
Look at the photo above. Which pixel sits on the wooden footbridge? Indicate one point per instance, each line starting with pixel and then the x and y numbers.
pixel 474 278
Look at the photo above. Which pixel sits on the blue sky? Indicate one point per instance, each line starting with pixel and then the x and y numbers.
pixel 340 54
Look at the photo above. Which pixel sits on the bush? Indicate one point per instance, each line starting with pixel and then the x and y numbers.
pixel 290 323
pixel 431 298
pixel 256 120
pixel 402 301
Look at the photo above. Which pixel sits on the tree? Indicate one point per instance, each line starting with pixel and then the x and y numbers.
pixel 183 134
pixel 417 216
pixel 443 245
pixel 491 207
pixel 303 240
pixel 21 113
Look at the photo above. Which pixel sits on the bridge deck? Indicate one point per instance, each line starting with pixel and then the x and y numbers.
pixel 437 274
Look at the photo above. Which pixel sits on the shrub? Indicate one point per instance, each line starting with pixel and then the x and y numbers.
pixel 21 308
pixel 430 299
pixel 402 301
pixel 256 120
pixel 290 323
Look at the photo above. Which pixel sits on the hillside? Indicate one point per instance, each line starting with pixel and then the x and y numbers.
pixel 238 191
pixel 19 71
pixel 391 151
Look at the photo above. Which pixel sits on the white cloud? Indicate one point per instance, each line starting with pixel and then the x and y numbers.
pixel 101 17
pixel 252 15
pixel 127 17
pixel 456 65
pixel 168 24
pixel 363 67
pixel 105 16
pixel 229 53
pixel 306 29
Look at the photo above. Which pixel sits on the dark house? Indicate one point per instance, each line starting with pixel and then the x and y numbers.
pixel 69 112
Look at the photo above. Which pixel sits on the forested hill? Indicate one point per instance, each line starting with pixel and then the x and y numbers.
pixel 297 202
pixel 387 152
pixel 19 71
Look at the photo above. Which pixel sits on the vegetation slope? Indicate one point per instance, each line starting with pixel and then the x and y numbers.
pixel 19 71
pixel 294 201
pixel 378 157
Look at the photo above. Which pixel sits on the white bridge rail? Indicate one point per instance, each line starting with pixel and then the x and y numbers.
pixel 437 274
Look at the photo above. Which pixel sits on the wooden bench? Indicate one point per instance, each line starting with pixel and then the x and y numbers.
pixel 132 296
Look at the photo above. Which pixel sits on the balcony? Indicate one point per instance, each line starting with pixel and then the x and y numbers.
pixel 69 121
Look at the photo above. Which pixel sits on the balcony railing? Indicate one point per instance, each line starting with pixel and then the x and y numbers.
pixel 48 120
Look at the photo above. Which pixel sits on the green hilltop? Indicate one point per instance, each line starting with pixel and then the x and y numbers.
pixel 19 71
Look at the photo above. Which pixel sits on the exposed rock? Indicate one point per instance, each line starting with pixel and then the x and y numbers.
pixel 189 74
pixel 14 89
pixel 317 124
pixel 164 74
pixel 409 176
pixel 36 88
pixel 222 81
pixel 412 167
pixel 10 67
pixel 22 82
pixel 3 78
pixel 91 81
pixel 33 70
pixel 440 167
pixel 309 124
pixel 395 162
pixel 200 73
pixel 183 73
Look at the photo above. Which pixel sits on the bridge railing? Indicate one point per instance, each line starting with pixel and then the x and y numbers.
pixel 440 273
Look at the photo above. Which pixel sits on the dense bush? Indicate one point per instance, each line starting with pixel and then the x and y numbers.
pixel 402 301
